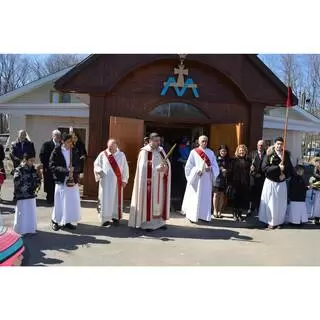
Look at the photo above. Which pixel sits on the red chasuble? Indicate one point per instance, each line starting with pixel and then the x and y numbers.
pixel 117 172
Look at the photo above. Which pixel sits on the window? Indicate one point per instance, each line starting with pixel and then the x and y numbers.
pixel 177 110
pixel 55 97
pixel 65 97
pixel 60 97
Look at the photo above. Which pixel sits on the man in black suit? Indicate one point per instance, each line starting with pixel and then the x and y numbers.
pixel 45 153
pixel 257 177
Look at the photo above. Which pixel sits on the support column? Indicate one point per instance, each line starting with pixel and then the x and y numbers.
pixel 255 125
pixel 98 135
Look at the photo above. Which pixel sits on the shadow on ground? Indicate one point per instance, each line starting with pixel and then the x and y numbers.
pixel 60 242
pixel 173 232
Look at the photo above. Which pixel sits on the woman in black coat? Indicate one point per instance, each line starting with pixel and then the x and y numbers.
pixel 221 183
pixel 240 181
pixel 81 149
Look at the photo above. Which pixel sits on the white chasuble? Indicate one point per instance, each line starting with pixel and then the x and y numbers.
pixel 111 170
pixel 197 199
pixel 150 201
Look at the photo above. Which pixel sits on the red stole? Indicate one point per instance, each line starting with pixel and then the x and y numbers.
pixel 117 172
pixel 149 189
pixel 203 156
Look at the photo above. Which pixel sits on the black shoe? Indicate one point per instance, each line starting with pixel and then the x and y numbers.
pixel 115 222
pixel 55 226
pixel 105 224
pixel 316 221
pixel 69 226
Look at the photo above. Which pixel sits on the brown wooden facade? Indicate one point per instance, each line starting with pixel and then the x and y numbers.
pixel 124 89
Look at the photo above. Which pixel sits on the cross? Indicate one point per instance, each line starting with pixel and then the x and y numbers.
pixel 181 72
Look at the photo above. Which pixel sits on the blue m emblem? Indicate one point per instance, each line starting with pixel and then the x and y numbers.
pixel 180 86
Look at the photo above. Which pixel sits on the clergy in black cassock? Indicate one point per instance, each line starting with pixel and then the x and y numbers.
pixel 44 155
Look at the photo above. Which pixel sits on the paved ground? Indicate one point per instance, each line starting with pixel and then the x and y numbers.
pixel 220 243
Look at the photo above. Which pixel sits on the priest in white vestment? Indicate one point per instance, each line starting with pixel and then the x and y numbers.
pixel 112 172
pixel 65 165
pixel 150 202
pixel 201 171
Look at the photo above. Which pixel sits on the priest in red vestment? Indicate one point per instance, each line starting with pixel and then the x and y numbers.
pixel 150 201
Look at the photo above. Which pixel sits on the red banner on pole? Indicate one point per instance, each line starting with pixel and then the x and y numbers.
pixel 289 98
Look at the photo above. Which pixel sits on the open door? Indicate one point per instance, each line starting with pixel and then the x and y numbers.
pixel 129 134
pixel 230 135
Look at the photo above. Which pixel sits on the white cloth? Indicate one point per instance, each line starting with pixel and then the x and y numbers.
pixel 309 201
pixel 66 204
pixel 315 212
pixel 138 207
pixel 273 204
pixel 108 185
pixel 297 212
pixel 66 154
pixel 197 199
pixel 25 217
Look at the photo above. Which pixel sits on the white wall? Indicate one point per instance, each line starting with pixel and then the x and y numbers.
pixel 40 95
pixel 39 128
pixel 294 140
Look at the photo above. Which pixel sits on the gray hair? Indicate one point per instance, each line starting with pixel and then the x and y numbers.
pixel 56 133
pixel 202 137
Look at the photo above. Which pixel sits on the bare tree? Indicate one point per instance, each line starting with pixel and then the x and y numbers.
pixel 58 62
pixel 14 72
pixel 41 66
pixel 291 72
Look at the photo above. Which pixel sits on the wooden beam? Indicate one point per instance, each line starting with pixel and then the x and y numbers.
pixel 98 135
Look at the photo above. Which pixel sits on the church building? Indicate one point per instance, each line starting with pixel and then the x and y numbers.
pixel 220 95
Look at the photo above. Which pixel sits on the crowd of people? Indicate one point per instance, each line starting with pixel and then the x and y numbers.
pixel 263 182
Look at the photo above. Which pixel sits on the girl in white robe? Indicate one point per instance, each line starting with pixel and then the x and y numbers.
pixel 297 207
pixel 26 181
pixel 315 211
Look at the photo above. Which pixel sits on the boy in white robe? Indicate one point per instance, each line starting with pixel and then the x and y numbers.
pixel 150 201
pixel 201 171
pixel 112 172
pixel 274 197
pixel 65 166
pixel 27 181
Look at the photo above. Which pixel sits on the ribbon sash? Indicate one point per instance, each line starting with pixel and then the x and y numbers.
pixel 117 172
pixel 165 191
pixel 164 214
pixel 203 156
pixel 149 185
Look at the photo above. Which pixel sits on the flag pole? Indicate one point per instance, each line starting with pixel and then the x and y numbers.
pixel 288 106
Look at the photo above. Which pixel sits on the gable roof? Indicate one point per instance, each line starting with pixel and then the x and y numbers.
pixel 271 75
pixel 263 68
pixel 33 85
